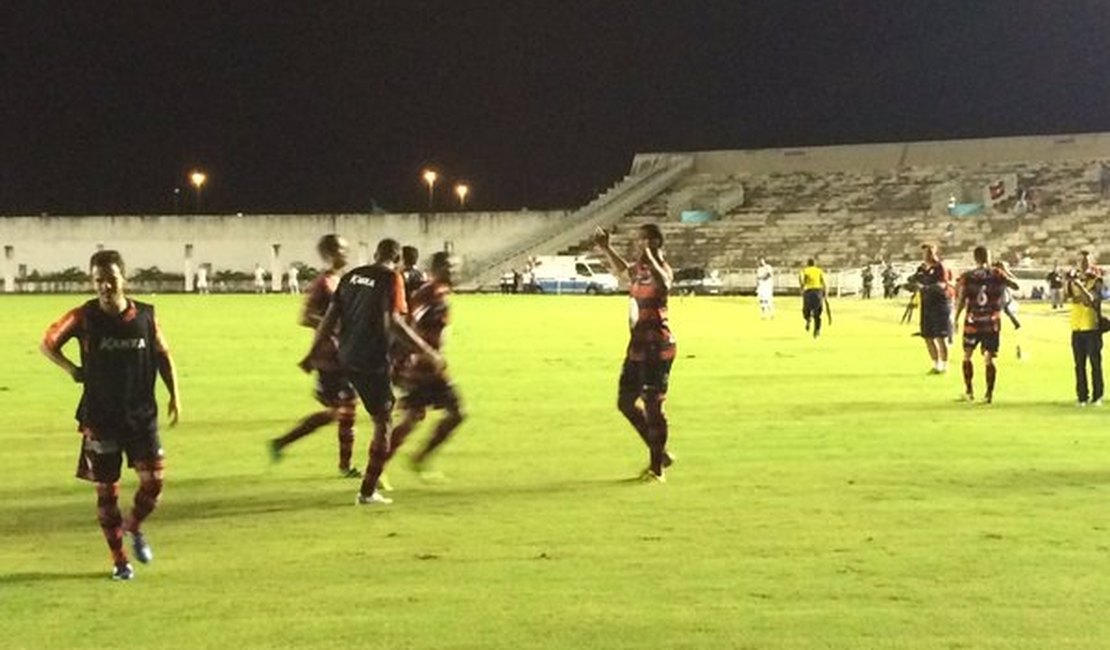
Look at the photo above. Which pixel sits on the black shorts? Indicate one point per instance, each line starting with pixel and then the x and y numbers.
pixel 436 393
pixel 987 340
pixel 333 389
pixel 936 321
pixel 813 303
pixel 650 376
pixel 100 461
pixel 375 390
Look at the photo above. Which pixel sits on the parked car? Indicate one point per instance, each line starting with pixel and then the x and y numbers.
pixel 697 281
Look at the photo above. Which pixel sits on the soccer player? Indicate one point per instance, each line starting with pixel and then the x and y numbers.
pixel 765 289
pixel 812 281
pixel 202 279
pixel 294 281
pixel 651 349
pixel 1055 281
pixel 333 391
pixel 122 350
pixel 867 276
pixel 369 308
pixel 426 386
pixel 1084 289
pixel 414 278
pixel 259 279
pixel 934 283
pixel 981 291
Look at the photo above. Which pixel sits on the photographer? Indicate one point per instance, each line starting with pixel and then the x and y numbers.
pixel 934 281
pixel 1084 290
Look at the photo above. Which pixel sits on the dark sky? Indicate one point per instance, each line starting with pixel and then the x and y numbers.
pixel 326 106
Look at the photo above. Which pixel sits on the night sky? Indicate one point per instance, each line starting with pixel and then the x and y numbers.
pixel 332 106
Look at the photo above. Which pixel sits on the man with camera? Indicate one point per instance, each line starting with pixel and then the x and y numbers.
pixel 1084 290
pixel 934 281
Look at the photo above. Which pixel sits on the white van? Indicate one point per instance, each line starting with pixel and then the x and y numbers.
pixel 572 274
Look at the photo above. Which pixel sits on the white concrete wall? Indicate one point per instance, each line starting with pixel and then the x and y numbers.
pixel 50 243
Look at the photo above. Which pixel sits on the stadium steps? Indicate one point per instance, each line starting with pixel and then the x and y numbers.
pixel 650 176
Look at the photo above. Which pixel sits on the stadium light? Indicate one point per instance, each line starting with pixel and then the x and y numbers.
pixel 197 178
pixel 462 190
pixel 430 178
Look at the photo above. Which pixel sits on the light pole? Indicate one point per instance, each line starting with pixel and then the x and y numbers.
pixel 430 178
pixel 462 190
pixel 198 178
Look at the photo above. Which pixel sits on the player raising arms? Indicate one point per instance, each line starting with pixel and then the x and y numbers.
pixel 369 308
pixel 333 391
pixel 981 291
pixel 122 350
pixel 651 348
pixel 427 387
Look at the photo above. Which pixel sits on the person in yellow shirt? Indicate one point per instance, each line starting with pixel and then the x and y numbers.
pixel 812 281
pixel 1084 290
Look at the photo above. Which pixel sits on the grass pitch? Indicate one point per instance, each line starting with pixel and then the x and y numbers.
pixel 827 494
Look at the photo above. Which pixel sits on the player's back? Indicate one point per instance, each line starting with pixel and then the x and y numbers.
pixel 984 293
pixel 430 312
pixel 367 297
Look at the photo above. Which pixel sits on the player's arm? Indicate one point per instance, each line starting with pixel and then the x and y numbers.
pixel 324 330
pixel 56 336
pixel 1079 292
pixel 959 302
pixel 397 320
pixel 661 271
pixel 168 372
pixel 1007 277
pixel 603 240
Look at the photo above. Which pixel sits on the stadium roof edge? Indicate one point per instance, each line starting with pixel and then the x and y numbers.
pixel 894 155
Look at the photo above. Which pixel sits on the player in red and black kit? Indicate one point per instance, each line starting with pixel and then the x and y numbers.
pixel 651 348
pixel 122 351
pixel 982 291
pixel 333 390
pixel 412 275
pixel 426 386
pixel 367 314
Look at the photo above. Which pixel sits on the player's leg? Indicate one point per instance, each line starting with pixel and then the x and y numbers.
pixel 991 371
pixel 447 398
pixel 412 415
pixel 1079 355
pixel 816 310
pixel 151 472
pixel 100 462
pixel 806 308
pixel 656 381
pixel 303 428
pixel 970 343
pixel 931 347
pixel 377 396
pixel 345 416
pixel 628 395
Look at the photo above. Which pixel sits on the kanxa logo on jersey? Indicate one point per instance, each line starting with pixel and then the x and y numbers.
pixel 112 344
pixel 362 282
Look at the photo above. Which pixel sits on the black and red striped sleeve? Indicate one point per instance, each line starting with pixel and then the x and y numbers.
pixel 64 329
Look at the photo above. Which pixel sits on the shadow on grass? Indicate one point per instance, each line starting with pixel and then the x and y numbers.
pixel 32 577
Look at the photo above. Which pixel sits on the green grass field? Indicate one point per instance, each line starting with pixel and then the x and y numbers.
pixel 827 494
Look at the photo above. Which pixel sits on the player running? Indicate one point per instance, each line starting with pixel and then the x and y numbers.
pixel 122 350
pixel 426 386
pixel 812 281
pixel 333 391
pixel 651 348
pixel 412 275
pixel 981 291
pixel 369 308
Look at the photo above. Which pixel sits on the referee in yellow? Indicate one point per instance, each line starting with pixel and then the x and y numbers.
pixel 812 280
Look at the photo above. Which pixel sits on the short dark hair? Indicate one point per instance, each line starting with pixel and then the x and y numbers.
pixel 105 259
pixel 980 254
pixel 441 259
pixel 811 262
pixel 330 244
pixel 389 250
pixel 652 233
pixel 410 255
